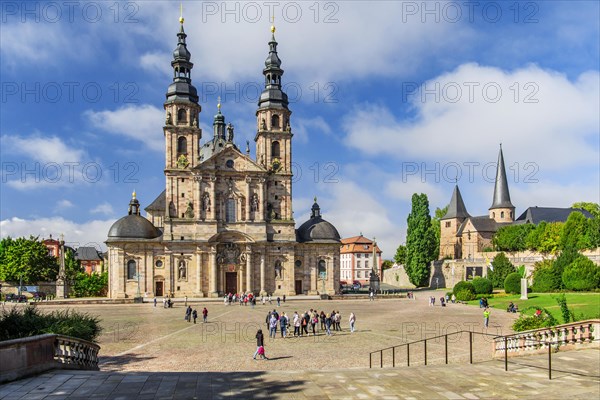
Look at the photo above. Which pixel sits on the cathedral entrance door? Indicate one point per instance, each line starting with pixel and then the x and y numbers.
pixel 231 282
pixel 299 286
pixel 159 288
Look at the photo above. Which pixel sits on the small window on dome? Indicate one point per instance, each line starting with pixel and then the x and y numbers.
pixel 229 163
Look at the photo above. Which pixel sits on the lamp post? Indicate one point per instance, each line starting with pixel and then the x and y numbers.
pixel 61 280
pixel 138 296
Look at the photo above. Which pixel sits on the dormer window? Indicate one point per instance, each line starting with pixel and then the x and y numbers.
pixel 181 116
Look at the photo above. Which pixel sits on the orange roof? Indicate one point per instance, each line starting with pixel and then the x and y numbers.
pixel 358 244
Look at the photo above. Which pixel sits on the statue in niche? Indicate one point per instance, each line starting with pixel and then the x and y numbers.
pixel 254 205
pixel 263 124
pixel 182 273
pixel 288 128
pixel 277 269
pixel 169 120
pixel 195 122
pixel 229 132
pixel 262 160
pixel 172 210
pixel 189 212
pixel 206 202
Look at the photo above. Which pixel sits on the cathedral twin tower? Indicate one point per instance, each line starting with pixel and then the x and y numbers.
pixel 224 223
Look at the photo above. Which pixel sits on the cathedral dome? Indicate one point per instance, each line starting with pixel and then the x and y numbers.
pixel 316 229
pixel 133 227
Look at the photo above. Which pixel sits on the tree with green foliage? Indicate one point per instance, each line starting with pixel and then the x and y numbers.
pixel 72 265
pixel 562 261
pixel 574 233
pixel 387 264
pixel 581 274
pixel 482 285
pixel 550 238
pixel 545 277
pixel 400 256
pixel 501 267
pixel 90 285
pixel 512 283
pixel 592 234
pixel 27 260
pixel 512 237
pixel 592 208
pixel 420 241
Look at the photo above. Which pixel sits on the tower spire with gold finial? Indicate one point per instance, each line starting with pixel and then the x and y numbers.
pixel 273 25
pixel 181 13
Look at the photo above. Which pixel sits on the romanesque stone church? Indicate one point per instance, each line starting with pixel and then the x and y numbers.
pixel 224 222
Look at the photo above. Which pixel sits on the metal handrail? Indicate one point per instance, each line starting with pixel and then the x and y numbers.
pixel 445 336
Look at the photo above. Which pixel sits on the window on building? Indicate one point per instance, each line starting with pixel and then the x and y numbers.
pixel 181 116
pixel 448 224
pixel 275 149
pixel 358 274
pixel 366 264
pixel 230 210
pixel 181 145
pixel 322 269
pixel 131 269
pixel 501 214
pixel 358 255
pixel 275 121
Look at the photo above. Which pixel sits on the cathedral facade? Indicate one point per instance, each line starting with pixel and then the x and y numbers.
pixel 224 223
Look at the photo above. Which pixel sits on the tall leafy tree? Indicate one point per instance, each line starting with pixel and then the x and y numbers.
pixel 574 232
pixel 400 256
pixel 420 241
pixel 501 267
pixel 592 208
pixel 26 259
pixel 437 228
pixel 387 264
pixel 72 265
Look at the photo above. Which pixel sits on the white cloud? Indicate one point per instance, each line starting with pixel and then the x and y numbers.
pixel 304 128
pixel 90 233
pixel 135 122
pixel 104 208
pixel 404 189
pixel 50 149
pixel 62 205
pixel 553 132
pixel 156 62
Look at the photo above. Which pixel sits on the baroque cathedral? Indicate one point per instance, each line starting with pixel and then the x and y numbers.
pixel 224 223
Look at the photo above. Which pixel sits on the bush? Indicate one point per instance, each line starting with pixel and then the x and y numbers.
pixel 582 274
pixel 526 322
pixel 464 291
pixel 24 322
pixel 545 277
pixel 512 283
pixel 501 268
pixel 482 285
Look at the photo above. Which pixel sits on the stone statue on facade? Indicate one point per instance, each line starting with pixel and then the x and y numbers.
pixel 206 202
pixel 182 270
pixel 169 119
pixel 254 205
pixel 229 132
pixel 189 212
pixel 278 269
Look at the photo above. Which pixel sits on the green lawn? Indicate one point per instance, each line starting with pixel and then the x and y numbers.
pixel 584 305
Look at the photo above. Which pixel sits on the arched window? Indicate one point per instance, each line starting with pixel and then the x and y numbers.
pixel 275 149
pixel 322 269
pixel 181 145
pixel 230 210
pixel 275 121
pixel 181 116
pixel 131 269
pixel 493 214
pixel 501 214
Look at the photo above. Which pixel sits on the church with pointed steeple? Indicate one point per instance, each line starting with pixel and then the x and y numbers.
pixel 224 222
pixel 463 236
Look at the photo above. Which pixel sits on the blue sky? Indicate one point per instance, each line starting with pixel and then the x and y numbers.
pixel 388 98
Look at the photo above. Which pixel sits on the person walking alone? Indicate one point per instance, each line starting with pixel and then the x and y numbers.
pixel 195 315
pixel 204 314
pixel 260 345
pixel 486 317
pixel 352 321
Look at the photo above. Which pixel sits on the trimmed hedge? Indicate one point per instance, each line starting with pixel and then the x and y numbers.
pixel 582 274
pixel 545 277
pixel 512 283
pixel 464 291
pixel 482 285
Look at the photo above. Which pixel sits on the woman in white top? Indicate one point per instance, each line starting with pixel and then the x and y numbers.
pixel 352 320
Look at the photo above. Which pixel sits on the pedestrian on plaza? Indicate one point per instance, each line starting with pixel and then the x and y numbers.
pixel 283 325
pixel 371 295
pixel 313 322
pixel 486 317
pixel 328 324
pixel 273 326
pixel 305 322
pixel 453 298
pixel 188 314
pixel 164 302
pixel 185 304
pixel 260 345
pixel 270 299
pixel 268 320
pixel 155 302
pixel 352 321
pixel 284 298
pixel 338 321
pixel 205 314
pixel 278 301
pixel 322 318
pixel 195 315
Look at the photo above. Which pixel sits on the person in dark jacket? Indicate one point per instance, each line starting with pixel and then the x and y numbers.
pixel 260 343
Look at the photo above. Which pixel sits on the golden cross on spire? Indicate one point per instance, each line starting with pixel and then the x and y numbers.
pixel 181 13
pixel 219 103
pixel 273 23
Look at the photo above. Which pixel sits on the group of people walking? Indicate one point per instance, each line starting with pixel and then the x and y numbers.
pixel 193 314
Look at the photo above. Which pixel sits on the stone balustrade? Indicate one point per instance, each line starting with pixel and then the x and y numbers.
pixel 582 333
pixel 33 355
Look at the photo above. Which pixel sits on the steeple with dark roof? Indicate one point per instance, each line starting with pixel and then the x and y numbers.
pixel 501 194
pixel 272 96
pixel 456 208
pixel 182 88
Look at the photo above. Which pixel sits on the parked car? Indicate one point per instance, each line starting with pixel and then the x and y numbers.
pixel 15 298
